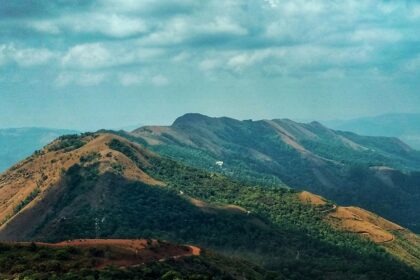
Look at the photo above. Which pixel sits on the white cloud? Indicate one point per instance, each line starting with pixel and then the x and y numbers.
pixel 272 3
pixel 181 57
pixel 130 79
pixel 210 64
pixel 112 25
pixel 101 55
pixel 90 79
pixel 376 35
pixel 45 26
pixel 88 56
pixel 25 57
pixel 288 60
pixel 79 78
pixel 159 80
pixel 221 25
pixel 290 36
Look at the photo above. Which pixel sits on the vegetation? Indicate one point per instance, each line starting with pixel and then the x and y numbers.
pixel 89 157
pixel 67 143
pixel 341 166
pixel 279 233
pixel 27 200
pixel 36 262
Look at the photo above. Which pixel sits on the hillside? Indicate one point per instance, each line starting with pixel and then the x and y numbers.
pixel 404 126
pixel 377 173
pixel 18 143
pixel 104 186
pixel 118 259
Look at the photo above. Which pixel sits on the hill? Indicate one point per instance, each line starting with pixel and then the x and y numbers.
pixel 101 185
pixel 404 126
pixel 377 173
pixel 18 143
pixel 118 259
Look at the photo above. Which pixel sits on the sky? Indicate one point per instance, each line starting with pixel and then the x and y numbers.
pixel 87 65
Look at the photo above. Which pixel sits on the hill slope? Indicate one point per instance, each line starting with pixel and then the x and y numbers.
pixel 18 143
pixel 104 186
pixel 118 259
pixel 376 173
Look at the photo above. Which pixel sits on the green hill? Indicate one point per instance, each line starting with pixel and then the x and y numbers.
pixel 100 259
pixel 376 173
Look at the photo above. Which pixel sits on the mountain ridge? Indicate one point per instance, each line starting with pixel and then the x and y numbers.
pixel 342 166
pixel 107 182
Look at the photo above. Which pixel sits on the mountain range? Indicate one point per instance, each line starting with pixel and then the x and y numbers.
pixel 380 174
pixel 240 194
pixel 404 126
pixel 100 185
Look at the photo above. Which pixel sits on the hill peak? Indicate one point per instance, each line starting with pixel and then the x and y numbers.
pixel 190 118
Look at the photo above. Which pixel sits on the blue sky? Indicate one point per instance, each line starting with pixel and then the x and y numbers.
pixel 112 63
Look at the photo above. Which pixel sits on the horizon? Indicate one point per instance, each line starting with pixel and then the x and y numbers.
pixel 132 127
pixel 110 64
pixel 128 127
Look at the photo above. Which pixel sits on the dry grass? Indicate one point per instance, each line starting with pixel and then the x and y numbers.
pixel 129 252
pixel 310 198
pixel 44 171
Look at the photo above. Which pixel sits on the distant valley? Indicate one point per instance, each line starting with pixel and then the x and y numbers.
pixel 18 143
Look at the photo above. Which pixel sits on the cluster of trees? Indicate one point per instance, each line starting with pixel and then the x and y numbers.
pixel 27 200
pixel 67 143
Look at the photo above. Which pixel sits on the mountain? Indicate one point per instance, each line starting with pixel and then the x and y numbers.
pixel 376 173
pixel 404 126
pixel 18 143
pixel 101 186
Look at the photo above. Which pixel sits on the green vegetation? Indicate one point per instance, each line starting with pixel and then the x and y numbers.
pixel 67 143
pixel 279 233
pixel 35 262
pixel 27 200
pixel 337 165
pixel 90 157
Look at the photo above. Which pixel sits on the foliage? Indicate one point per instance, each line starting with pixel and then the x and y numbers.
pixel 27 200
pixel 279 232
pixel 35 262
pixel 67 143
pixel 89 157
pixel 319 160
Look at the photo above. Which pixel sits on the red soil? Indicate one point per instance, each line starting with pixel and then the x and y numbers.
pixel 130 252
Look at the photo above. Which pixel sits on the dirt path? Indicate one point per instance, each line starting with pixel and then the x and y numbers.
pixel 130 252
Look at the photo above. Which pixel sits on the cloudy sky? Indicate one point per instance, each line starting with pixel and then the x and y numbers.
pixel 86 64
